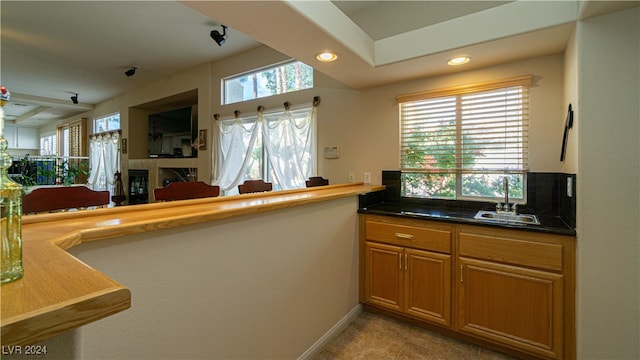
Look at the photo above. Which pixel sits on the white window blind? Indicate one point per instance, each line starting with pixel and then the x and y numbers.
pixel 48 145
pixel 495 130
pixel 457 132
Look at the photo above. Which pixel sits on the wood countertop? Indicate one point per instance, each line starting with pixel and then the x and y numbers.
pixel 59 292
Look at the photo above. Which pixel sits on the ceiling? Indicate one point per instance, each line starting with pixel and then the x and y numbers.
pixel 51 50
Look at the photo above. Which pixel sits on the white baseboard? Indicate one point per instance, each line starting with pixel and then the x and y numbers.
pixel 332 333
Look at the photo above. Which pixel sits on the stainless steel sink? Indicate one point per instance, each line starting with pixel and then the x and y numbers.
pixel 507 217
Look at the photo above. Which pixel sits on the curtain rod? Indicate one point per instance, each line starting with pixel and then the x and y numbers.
pixel 111 132
pixel 287 107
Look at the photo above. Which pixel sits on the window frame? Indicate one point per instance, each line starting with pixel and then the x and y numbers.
pixel 264 168
pixel 459 170
pixel 224 80
pixel 106 119
pixel 49 144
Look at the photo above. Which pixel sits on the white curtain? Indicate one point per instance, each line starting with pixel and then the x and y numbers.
pixel 104 159
pixel 284 142
pixel 235 140
pixel 289 142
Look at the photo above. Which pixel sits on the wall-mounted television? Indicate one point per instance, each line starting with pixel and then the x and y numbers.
pixel 172 132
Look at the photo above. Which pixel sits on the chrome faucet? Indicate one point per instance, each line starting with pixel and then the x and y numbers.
pixel 505 187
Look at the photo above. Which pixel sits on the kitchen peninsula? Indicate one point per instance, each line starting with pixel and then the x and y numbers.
pixel 60 293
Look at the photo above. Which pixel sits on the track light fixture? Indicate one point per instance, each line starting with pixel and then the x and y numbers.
pixel 131 71
pixel 220 39
pixel 74 98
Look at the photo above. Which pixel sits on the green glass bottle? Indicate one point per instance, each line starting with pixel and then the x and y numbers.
pixel 10 211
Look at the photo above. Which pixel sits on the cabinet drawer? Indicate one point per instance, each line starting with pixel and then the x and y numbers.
pixel 512 251
pixel 409 236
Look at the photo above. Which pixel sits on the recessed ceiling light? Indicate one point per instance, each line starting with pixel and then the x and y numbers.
pixel 458 60
pixel 326 57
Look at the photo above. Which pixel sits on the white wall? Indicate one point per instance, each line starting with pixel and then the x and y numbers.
pixel 258 286
pixel 371 127
pixel 608 301
pixel 570 164
pixel 340 108
pixel 364 124
pixel 599 75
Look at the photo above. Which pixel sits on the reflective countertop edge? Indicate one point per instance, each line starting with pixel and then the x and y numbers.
pixel 548 224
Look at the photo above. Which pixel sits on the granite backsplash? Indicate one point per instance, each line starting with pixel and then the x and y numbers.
pixel 547 195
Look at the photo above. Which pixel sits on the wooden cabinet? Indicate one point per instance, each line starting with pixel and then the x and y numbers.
pixel 515 288
pixel 511 288
pixel 427 286
pixel 21 137
pixel 384 275
pixel 511 305
pixel 412 280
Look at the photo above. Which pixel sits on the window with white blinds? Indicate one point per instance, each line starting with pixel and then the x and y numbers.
pixel 48 144
pixel 460 142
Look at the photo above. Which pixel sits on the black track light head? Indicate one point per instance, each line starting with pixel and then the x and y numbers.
pixel 74 98
pixel 219 38
pixel 131 71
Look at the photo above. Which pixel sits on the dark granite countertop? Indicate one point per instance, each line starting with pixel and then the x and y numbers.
pixel 547 197
pixel 463 215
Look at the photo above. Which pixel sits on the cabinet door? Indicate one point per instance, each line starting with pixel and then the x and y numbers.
pixel 428 286
pixel 383 275
pixel 518 307
pixel 11 135
pixel 27 138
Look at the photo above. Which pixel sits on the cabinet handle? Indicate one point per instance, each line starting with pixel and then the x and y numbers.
pixel 403 236
pixel 405 262
pixel 461 273
pixel 400 261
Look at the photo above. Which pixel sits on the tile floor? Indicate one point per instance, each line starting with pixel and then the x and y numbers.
pixel 373 336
